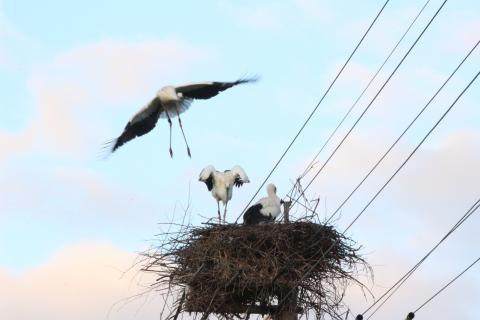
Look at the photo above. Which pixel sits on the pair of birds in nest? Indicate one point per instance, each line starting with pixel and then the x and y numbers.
pixel 221 184
pixel 170 102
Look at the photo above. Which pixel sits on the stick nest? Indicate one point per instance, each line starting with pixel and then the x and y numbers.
pixel 233 269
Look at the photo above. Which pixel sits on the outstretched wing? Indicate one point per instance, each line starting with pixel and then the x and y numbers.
pixel 141 123
pixel 206 176
pixel 207 90
pixel 240 176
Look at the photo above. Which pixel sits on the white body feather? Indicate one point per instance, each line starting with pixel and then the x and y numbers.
pixel 223 182
pixel 172 102
pixel 271 206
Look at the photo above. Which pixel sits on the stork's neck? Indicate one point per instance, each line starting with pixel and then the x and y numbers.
pixel 272 194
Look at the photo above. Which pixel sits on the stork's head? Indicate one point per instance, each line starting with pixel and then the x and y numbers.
pixel 271 190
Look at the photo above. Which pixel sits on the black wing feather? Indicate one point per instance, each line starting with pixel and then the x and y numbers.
pixel 211 90
pixel 254 216
pixel 209 182
pixel 137 129
pixel 238 182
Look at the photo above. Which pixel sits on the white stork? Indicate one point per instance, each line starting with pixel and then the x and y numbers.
pixel 221 184
pixel 266 209
pixel 170 102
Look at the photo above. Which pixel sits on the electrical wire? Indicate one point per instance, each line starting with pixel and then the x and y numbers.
pixel 314 109
pixel 394 288
pixel 388 181
pixel 310 165
pixel 401 135
pixel 374 98
pixel 446 286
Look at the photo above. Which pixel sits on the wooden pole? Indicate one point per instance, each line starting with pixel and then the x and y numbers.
pixel 291 303
pixel 286 211
pixel 290 308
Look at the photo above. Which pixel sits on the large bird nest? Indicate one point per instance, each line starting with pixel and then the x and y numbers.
pixel 227 270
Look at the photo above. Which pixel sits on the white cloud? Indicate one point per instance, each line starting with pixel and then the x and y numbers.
pixel 439 177
pixel 73 94
pixel 83 281
pixel 111 70
pixel 75 196
pixel 278 16
pixel 419 206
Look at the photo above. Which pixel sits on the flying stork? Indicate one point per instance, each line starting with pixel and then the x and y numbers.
pixel 221 184
pixel 170 102
pixel 266 209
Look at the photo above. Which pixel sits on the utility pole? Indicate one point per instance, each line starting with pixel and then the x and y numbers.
pixel 291 302
pixel 286 211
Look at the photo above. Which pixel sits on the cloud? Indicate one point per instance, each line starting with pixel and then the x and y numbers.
pixel 82 281
pixel 73 94
pixel 277 16
pixel 114 70
pixel 439 177
pixel 75 196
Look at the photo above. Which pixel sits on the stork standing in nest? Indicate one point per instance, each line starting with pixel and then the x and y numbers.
pixel 221 184
pixel 170 102
pixel 266 209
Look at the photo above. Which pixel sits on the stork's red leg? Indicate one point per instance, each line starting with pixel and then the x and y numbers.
pixel 183 133
pixel 170 123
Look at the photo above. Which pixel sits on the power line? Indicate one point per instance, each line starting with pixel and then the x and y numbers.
pixel 448 284
pixel 414 150
pixel 401 135
pixel 360 96
pixel 393 289
pixel 314 109
pixel 374 98
pixel 405 161
pixel 388 181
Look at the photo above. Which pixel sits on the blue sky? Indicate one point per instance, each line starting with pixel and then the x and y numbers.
pixel 74 73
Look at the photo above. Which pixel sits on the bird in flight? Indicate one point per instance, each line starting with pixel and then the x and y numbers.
pixel 266 209
pixel 221 184
pixel 170 102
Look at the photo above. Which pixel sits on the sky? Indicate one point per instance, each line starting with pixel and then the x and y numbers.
pixel 73 73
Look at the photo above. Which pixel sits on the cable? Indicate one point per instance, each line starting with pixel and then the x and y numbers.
pixel 314 109
pixel 388 181
pixel 408 158
pixel 414 150
pixel 403 133
pixel 374 98
pixel 360 96
pixel 408 274
pixel 448 284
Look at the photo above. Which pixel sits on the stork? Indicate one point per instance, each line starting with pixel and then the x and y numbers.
pixel 266 209
pixel 170 102
pixel 221 184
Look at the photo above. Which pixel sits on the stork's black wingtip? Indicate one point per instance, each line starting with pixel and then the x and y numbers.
pixel 107 149
pixel 248 79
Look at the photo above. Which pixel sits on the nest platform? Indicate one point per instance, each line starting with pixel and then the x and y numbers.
pixel 236 269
